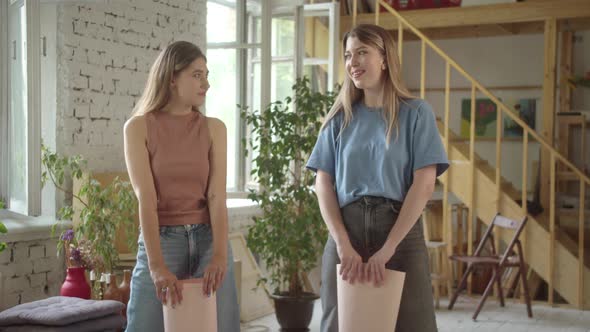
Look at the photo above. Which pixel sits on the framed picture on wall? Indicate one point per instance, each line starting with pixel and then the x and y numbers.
pixel 485 118
pixel 526 108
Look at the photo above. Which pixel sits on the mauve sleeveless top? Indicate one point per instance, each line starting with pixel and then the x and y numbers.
pixel 178 147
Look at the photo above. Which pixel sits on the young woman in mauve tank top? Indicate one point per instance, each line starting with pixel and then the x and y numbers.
pixel 176 159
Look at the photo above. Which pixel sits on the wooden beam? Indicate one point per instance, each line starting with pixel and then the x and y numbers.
pixel 506 13
pixel 565 91
pixel 510 28
pixel 496 87
pixel 581 248
pixel 496 30
pixel 552 238
pixel 492 30
pixel 549 84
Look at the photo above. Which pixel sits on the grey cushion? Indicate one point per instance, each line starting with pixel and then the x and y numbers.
pixel 58 311
pixel 113 322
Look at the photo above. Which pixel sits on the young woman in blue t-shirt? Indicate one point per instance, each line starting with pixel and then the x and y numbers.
pixel 377 158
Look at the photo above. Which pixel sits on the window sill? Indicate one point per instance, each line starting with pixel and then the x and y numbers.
pixel 241 206
pixel 21 227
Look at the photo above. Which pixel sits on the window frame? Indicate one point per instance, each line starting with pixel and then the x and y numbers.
pixel 33 77
pixel 241 46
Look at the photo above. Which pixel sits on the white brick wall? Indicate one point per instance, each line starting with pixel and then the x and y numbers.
pixel 104 54
pixel 30 271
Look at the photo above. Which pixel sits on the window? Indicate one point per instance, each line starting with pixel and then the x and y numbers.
pixel 238 66
pixel 229 45
pixel 20 145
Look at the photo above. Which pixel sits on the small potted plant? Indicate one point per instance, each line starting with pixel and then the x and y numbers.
pixel 75 284
pixel 105 209
pixel 290 234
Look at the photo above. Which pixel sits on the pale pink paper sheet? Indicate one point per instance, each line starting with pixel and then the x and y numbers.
pixel 364 307
pixel 196 312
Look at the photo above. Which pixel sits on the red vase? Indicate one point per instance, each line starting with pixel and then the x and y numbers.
pixel 76 284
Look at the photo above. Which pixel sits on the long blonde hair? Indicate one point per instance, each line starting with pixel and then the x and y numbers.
pixel 171 60
pixel 394 90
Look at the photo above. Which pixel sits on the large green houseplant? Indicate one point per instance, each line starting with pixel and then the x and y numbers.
pixel 290 233
pixel 105 208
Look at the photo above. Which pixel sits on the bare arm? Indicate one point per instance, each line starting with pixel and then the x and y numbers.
pixel 351 262
pixel 328 201
pixel 140 174
pixel 216 200
pixel 137 160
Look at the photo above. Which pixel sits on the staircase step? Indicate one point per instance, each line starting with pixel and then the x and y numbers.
pixel 567 176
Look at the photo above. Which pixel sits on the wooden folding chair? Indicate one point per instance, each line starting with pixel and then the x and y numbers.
pixel 497 263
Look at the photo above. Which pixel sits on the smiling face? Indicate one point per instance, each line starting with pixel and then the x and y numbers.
pixel 364 64
pixel 190 85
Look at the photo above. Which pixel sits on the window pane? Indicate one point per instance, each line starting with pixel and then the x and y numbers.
pixel 283 36
pixel 255 35
pixel 282 80
pixel 318 77
pixel 221 23
pixel 254 106
pixel 222 101
pixel 17 73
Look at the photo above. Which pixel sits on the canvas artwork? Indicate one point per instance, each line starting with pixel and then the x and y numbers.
pixel 526 109
pixel 485 118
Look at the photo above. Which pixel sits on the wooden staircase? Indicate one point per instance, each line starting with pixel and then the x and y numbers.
pixel 537 236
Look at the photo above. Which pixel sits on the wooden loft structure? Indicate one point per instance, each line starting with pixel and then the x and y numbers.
pixel 559 258
pixel 527 17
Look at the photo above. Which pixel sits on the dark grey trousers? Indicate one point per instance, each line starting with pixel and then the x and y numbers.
pixel 368 222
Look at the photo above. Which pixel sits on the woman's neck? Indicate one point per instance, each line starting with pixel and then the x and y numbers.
pixel 177 108
pixel 373 97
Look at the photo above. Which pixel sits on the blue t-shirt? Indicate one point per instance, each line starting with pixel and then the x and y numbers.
pixel 361 164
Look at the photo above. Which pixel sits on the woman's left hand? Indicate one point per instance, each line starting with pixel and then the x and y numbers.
pixel 214 274
pixel 375 266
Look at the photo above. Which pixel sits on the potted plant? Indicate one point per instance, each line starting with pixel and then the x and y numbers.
pixel 290 233
pixel 76 254
pixel 105 208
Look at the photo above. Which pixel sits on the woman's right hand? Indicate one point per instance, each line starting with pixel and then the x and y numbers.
pixel 351 263
pixel 167 285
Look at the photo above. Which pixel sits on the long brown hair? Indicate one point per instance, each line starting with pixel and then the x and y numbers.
pixel 171 60
pixel 394 90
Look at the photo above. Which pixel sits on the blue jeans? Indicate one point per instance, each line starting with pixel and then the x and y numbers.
pixel 187 250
